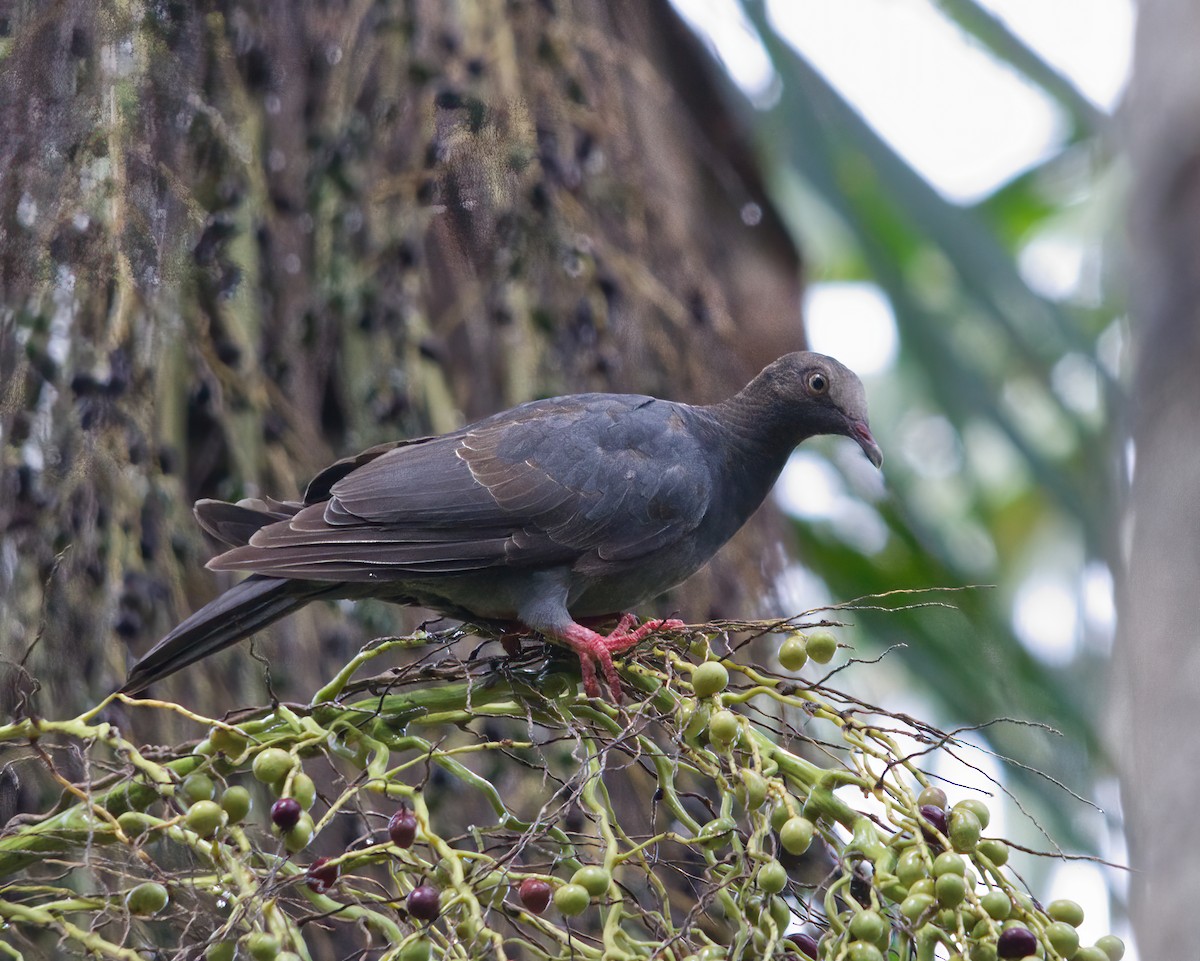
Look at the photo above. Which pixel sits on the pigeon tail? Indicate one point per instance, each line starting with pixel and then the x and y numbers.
pixel 245 608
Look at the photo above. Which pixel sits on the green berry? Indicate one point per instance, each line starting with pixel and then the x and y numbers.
pixel 272 765
pixel 146 899
pixel 303 790
pixel 922 886
pixel 976 807
pixel 793 654
pixel 593 879
pixel 709 678
pixel 1063 938
pixel 869 926
pixel 197 787
pixel 717 833
pixel 723 729
pixel 235 802
pixel 912 866
pixel 296 838
pixel 964 830
pixel 949 863
pixel 1066 911
pixel 863 951
pixel 571 899
pixel 932 796
pixel 994 850
pixel 772 877
pixel 796 835
pixel 950 890
pixel 781 914
pixel 1090 953
pixel 1112 946
pixel 997 905
pixel 205 818
pixel 913 906
pixel 821 646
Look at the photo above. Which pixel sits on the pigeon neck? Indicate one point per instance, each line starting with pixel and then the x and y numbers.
pixel 755 443
pixel 763 425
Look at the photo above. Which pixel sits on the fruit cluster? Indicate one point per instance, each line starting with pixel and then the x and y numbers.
pixel 749 849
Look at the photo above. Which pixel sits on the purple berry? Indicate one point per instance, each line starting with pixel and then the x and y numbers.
pixel 1016 943
pixel 805 944
pixel 321 875
pixel 402 828
pixel 285 813
pixel 424 902
pixel 534 894
pixel 935 817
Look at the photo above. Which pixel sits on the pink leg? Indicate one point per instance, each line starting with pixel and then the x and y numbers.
pixel 592 646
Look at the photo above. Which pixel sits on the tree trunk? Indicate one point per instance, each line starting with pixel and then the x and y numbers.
pixel 239 239
pixel 1157 667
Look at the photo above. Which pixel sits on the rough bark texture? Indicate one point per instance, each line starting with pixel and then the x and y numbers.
pixel 1157 668
pixel 238 240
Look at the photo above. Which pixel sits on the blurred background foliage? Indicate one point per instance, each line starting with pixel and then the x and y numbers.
pixel 997 413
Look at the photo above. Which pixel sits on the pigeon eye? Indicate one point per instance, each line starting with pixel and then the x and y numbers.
pixel 818 383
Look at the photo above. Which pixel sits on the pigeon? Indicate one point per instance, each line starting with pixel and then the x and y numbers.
pixel 556 512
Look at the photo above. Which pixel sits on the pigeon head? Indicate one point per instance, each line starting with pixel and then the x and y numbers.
pixel 805 394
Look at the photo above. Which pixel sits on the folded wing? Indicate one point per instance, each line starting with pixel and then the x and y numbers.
pixel 581 481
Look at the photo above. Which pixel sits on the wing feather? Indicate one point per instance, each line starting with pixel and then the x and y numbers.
pixel 588 478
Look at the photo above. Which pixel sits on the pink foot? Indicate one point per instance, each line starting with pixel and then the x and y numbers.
pixel 591 646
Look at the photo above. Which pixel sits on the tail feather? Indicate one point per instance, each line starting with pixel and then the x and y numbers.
pixel 245 608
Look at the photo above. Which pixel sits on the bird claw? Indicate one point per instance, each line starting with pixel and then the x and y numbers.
pixel 600 648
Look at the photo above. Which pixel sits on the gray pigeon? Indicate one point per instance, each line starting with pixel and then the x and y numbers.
pixel 555 511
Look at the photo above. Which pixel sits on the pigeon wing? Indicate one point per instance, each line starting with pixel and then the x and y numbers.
pixel 585 479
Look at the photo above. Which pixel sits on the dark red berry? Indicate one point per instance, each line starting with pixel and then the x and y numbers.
pixel 423 902
pixel 1016 943
pixel 402 828
pixel 321 875
pixel 936 817
pixel 805 944
pixel 285 813
pixel 535 894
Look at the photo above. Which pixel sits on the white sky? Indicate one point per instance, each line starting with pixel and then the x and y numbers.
pixel 965 121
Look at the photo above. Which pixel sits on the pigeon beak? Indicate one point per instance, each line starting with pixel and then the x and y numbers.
pixel 862 433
